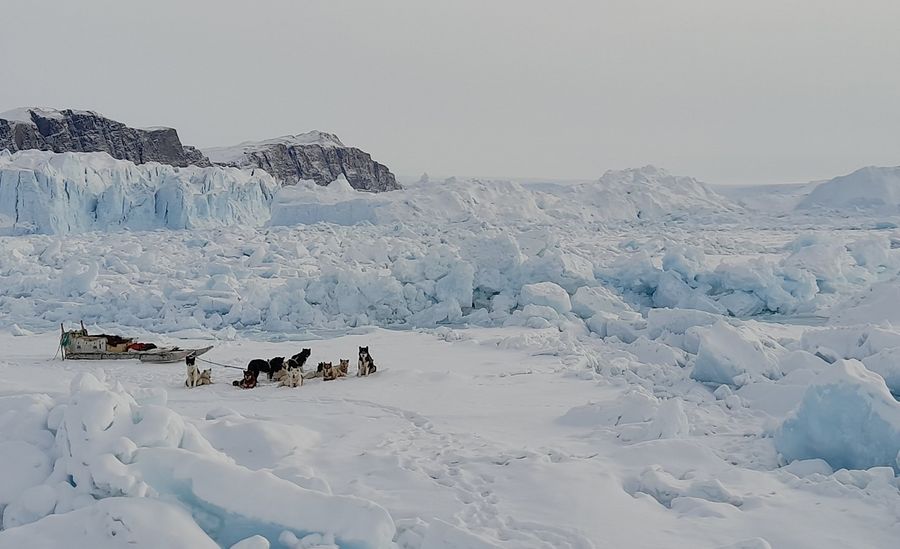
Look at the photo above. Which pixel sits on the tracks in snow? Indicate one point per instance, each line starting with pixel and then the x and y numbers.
pixel 462 464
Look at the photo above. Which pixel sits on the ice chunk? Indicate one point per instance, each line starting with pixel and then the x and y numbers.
pixel 548 294
pixel 666 488
pixel 886 363
pixel 847 417
pixel 670 421
pixel 592 300
pixel 257 502
pixel 60 193
pixel 732 356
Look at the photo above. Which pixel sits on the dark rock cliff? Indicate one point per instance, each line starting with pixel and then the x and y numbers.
pixel 315 156
pixel 84 131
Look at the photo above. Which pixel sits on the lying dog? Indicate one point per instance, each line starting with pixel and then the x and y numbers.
pixel 292 377
pixel 281 374
pixel 366 364
pixel 318 372
pixel 268 366
pixel 205 377
pixel 249 381
pixel 332 372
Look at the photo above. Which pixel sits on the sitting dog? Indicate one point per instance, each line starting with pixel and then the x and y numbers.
pixel 275 365
pixel 205 377
pixel 344 367
pixel 366 364
pixel 249 381
pixel 268 366
pixel 193 373
pixel 292 377
pixel 299 360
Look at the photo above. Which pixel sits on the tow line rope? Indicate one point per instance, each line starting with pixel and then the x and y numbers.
pixel 219 364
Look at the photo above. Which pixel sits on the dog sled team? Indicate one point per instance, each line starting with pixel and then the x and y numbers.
pixel 287 373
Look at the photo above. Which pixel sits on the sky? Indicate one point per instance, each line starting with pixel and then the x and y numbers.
pixel 731 92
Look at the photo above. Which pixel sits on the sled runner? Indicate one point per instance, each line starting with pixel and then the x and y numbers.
pixel 79 345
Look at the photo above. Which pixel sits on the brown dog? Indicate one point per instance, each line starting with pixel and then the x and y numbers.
pixel 249 381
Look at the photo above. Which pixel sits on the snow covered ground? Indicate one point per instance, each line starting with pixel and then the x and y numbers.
pixel 635 362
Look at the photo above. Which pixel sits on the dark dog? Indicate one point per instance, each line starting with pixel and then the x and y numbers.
pixel 299 360
pixel 249 381
pixel 366 364
pixel 268 366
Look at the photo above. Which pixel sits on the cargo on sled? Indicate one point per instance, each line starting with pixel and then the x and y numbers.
pixel 79 345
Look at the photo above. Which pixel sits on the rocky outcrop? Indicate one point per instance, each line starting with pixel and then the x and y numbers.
pixel 85 131
pixel 315 156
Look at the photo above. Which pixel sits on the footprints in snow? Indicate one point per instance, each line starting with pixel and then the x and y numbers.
pixel 452 461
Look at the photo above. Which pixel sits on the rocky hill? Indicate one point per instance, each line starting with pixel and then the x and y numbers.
pixel 86 131
pixel 315 156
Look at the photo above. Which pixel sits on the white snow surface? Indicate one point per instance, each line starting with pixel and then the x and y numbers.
pixel 633 362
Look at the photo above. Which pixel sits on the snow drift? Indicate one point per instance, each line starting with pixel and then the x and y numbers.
pixel 59 193
pixel 873 189
pixel 81 458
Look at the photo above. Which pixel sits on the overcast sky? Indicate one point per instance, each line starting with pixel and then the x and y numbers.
pixel 727 91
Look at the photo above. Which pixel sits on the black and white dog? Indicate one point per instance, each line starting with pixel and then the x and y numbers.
pixel 196 376
pixel 299 360
pixel 366 364
pixel 268 366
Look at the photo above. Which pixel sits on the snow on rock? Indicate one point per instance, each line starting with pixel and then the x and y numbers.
pixel 99 443
pixel 546 294
pixel 871 188
pixel 235 153
pixel 733 356
pixel 59 193
pixel 847 417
